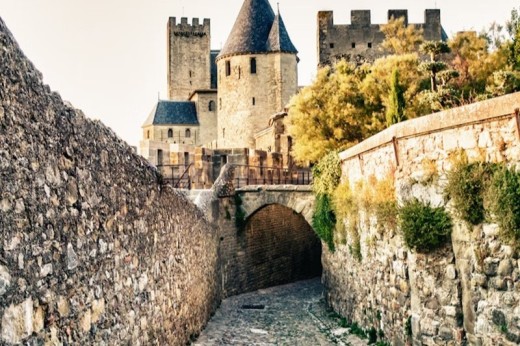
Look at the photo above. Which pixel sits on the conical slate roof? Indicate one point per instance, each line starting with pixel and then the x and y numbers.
pixel 257 30
pixel 279 40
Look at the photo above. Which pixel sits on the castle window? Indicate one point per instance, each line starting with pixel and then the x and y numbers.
pixel 148 134
pixel 253 65
pixel 211 106
pixel 254 101
pixel 220 103
pixel 239 72
pixel 353 44
pixel 223 133
pixel 190 73
pixel 170 133
pixel 369 44
pixel 331 45
pixel 228 68
pixel 188 133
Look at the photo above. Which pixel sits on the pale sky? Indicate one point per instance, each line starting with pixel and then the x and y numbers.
pixel 108 57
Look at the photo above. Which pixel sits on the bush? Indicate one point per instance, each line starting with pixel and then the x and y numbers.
pixel 424 228
pixel 324 220
pixel 503 197
pixel 326 174
pixel 466 186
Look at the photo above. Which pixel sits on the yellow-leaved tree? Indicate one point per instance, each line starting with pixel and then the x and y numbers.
pixel 329 114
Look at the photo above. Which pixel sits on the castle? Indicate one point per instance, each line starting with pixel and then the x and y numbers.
pixel 230 105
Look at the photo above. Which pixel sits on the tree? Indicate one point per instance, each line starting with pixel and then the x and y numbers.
pixel 396 103
pixel 434 49
pixel 401 39
pixel 513 28
pixel 328 114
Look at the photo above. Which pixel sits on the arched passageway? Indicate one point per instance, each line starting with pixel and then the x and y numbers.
pixel 278 247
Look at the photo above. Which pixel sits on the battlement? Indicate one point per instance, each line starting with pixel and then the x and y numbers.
pixel 185 27
pixel 360 40
pixel 363 17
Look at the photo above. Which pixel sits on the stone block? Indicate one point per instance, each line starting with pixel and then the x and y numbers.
pixel 505 268
pixel 5 279
pixel 17 322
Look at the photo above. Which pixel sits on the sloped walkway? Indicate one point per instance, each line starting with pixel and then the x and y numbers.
pixel 293 314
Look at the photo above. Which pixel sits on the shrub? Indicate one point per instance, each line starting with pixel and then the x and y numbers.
pixel 424 228
pixel 324 220
pixel 503 197
pixel 326 174
pixel 466 186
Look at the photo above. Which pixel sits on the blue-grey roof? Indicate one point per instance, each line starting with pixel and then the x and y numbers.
pixel 173 113
pixel 279 40
pixel 257 30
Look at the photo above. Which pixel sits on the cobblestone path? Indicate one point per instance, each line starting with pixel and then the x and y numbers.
pixel 293 314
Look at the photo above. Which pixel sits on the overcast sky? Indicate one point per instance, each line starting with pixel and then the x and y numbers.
pixel 108 57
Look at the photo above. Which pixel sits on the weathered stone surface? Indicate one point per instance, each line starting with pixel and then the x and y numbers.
pixel 5 279
pixel 88 233
pixel 452 289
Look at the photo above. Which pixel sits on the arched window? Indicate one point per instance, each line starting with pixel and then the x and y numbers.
pixel 188 133
pixel 170 133
pixel 211 106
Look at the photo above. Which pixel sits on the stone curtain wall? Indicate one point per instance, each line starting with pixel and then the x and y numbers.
pixel 93 249
pixel 457 290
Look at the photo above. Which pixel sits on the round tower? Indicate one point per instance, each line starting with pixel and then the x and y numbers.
pixel 257 74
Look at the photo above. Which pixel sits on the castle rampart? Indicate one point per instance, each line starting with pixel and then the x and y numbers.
pixel 361 40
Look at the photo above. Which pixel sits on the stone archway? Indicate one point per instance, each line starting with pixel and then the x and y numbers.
pixel 278 246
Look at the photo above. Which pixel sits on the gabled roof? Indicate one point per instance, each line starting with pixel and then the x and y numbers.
pixel 279 40
pixel 173 113
pixel 257 30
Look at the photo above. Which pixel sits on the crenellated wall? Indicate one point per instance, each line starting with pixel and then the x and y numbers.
pixel 459 291
pixel 93 248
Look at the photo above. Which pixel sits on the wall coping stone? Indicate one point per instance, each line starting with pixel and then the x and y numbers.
pixel 456 117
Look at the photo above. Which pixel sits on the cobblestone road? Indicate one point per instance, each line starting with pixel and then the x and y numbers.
pixel 293 314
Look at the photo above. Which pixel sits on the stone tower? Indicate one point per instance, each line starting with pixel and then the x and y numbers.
pixel 257 74
pixel 189 57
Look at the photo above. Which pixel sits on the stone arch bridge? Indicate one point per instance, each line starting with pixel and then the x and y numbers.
pixel 299 198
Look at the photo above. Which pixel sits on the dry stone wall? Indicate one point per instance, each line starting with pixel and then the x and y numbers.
pixel 93 248
pixel 467 290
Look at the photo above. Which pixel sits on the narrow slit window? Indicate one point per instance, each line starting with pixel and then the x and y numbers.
pixel 253 65
pixel 353 44
pixel 369 44
pixel 254 101
pixel 228 68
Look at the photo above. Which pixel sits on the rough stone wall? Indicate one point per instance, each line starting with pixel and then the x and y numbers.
pixel 455 292
pixel 93 250
pixel 189 63
pixel 361 40
pixel 271 87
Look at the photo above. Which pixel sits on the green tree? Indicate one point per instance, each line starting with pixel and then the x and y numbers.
pixel 396 102
pixel 329 114
pixel 434 49
pixel 400 39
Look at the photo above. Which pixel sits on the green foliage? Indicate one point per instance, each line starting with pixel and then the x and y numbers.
pixel 466 187
pixel 329 114
pixel 240 214
pixel 355 247
pixel 372 335
pixel 400 38
pixel 326 174
pixel 408 327
pixel 396 102
pixel 357 330
pixel 324 220
pixel 424 228
pixel 503 197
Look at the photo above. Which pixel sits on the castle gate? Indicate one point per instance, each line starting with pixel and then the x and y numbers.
pixel 271 241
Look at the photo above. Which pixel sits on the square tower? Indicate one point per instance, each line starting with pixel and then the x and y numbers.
pixel 189 57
